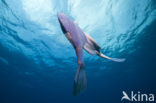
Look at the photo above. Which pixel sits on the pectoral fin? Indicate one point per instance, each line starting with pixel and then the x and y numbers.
pixel 75 22
pixel 68 35
pixel 92 42
pixel 89 49
pixel 91 46
pixel 113 59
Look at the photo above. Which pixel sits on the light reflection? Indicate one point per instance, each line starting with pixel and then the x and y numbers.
pixel 109 22
pixel 38 10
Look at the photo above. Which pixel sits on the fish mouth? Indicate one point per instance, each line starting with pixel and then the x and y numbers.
pixel 61 21
pixel 60 15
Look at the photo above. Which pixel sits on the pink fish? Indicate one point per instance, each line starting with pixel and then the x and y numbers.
pixel 80 41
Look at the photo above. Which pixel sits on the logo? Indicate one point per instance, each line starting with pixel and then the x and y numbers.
pixel 137 97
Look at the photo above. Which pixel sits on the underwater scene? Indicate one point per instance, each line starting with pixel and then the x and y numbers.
pixel 39 61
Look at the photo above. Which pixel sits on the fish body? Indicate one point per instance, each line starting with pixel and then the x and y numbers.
pixel 80 41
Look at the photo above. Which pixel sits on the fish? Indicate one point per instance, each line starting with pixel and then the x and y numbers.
pixel 80 40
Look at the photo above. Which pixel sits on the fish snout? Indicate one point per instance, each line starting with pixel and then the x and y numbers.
pixel 60 15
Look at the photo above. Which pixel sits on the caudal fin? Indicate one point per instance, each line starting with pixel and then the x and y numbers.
pixel 113 59
pixel 80 81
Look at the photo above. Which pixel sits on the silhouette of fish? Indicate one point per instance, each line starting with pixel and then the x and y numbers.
pixel 80 41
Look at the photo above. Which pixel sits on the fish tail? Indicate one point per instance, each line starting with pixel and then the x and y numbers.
pixel 80 81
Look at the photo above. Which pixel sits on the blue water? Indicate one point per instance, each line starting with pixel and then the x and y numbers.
pixel 38 64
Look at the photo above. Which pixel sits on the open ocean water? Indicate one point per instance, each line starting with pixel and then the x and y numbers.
pixel 38 64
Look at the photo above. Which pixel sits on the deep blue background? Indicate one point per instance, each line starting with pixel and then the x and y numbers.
pixel 38 64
